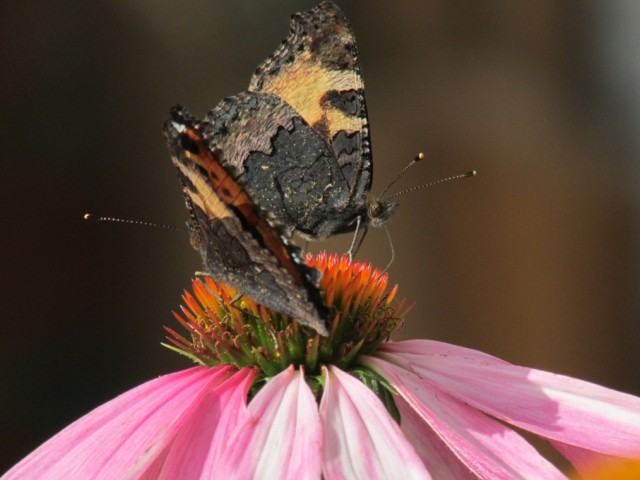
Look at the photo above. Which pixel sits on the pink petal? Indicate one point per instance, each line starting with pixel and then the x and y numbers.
pixel 443 463
pixel 361 440
pixel 557 407
pixel 125 432
pixel 193 451
pixel 487 448
pixel 281 436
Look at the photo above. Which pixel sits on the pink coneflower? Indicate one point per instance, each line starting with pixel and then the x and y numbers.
pixel 273 400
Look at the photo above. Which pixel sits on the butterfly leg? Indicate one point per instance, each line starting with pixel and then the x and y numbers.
pixel 393 251
pixel 356 242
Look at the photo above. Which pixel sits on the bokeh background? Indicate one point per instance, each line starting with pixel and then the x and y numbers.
pixel 534 260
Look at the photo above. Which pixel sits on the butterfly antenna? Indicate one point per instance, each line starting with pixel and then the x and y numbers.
pixel 418 158
pixel 472 173
pixel 142 223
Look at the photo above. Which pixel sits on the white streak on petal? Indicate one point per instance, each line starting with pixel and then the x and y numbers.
pixel 557 407
pixel 281 436
pixel 361 440
pixel 488 449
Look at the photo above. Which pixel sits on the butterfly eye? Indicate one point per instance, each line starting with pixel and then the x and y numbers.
pixel 189 144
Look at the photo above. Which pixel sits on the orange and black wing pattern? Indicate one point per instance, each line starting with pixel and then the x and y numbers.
pixel 316 72
pixel 238 244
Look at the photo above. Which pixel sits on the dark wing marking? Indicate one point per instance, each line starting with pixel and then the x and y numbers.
pixel 285 165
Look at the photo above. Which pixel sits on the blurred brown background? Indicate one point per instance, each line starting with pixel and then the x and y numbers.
pixel 535 260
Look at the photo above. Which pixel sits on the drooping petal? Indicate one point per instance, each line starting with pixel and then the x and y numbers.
pixel 487 448
pixel 443 463
pixel 194 450
pixel 361 439
pixel 281 436
pixel 128 431
pixel 557 407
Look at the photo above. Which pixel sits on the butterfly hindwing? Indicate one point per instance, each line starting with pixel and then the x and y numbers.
pixel 316 72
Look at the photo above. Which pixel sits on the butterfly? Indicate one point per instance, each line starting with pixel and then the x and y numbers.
pixel 299 137
pixel 290 155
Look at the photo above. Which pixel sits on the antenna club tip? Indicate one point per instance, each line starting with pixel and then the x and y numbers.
pixel 419 157
pixel 472 173
pixel 89 216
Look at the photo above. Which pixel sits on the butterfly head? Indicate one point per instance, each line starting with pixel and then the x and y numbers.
pixel 380 211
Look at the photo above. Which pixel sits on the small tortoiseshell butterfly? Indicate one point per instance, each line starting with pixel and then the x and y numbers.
pixel 291 154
